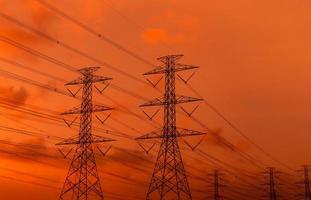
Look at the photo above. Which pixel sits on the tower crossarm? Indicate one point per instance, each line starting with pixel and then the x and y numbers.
pixel 76 140
pixel 100 108
pixel 77 110
pixel 82 80
pixel 174 58
pixel 178 67
pixel 178 100
pixel 180 132
pixel 183 67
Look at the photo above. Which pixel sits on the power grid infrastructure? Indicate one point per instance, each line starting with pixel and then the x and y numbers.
pixel 82 181
pixel 216 185
pixel 271 184
pixel 169 176
pixel 169 179
pixel 306 182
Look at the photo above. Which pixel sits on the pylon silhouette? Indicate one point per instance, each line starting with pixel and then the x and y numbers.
pixel 306 182
pixel 169 180
pixel 82 181
pixel 271 184
pixel 216 186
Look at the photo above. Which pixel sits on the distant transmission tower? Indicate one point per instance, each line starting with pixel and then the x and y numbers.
pixel 169 180
pixel 82 181
pixel 306 182
pixel 271 184
pixel 216 185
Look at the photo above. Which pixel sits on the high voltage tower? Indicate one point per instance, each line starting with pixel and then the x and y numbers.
pixel 82 181
pixel 169 180
pixel 306 182
pixel 271 184
pixel 216 185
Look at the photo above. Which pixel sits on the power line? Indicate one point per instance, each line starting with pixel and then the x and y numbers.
pixel 29 110
pixel 240 132
pixel 31 69
pixel 35 53
pixel 257 163
pixel 93 32
pixel 122 15
pixel 29 133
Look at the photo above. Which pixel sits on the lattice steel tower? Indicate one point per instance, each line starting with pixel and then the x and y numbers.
pixel 307 182
pixel 272 185
pixel 216 186
pixel 82 181
pixel 169 180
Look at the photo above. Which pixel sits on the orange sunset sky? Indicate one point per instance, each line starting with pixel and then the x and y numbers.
pixel 255 66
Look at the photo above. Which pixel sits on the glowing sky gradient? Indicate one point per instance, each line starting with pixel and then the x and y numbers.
pixel 254 59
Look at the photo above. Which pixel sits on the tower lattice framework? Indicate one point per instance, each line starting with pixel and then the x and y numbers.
pixel 307 182
pixel 216 186
pixel 82 181
pixel 271 184
pixel 169 180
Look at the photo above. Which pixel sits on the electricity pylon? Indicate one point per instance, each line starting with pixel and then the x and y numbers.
pixel 216 185
pixel 82 181
pixel 271 183
pixel 306 182
pixel 169 180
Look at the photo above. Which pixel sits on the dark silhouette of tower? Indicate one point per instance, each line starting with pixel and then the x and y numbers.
pixel 169 180
pixel 216 183
pixel 306 182
pixel 82 181
pixel 271 184
pixel 216 186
